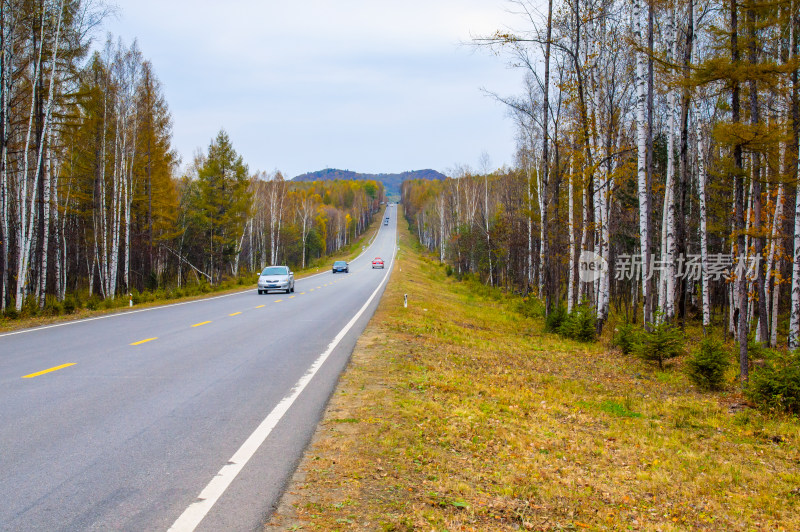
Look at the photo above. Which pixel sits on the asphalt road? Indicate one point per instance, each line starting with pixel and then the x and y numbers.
pixel 177 415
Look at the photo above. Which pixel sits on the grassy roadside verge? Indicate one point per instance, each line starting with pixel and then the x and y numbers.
pixel 348 253
pixel 458 413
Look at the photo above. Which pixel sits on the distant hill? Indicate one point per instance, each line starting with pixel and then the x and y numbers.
pixel 391 182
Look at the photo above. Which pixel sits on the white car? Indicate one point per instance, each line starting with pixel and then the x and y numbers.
pixel 276 278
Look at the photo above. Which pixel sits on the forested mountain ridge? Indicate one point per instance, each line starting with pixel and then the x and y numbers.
pixel 391 182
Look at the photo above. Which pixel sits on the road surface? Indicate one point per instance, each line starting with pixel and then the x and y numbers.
pixel 189 416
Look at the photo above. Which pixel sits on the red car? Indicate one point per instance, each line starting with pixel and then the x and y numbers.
pixel 377 262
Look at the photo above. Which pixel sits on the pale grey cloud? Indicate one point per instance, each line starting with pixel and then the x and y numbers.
pixel 365 85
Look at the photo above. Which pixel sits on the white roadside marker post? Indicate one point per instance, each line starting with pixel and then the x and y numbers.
pixel 405 300
pixel 130 299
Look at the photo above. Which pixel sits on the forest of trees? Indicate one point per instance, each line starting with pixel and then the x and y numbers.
pixel 92 202
pixel 662 138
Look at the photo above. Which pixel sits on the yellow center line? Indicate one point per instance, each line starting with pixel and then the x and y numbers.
pixel 201 323
pixel 261 306
pixel 302 293
pixel 234 313
pixel 277 300
pixel 319 287
pixel 140 342
pixel 291 297
pixel 311 290
pixel 62 366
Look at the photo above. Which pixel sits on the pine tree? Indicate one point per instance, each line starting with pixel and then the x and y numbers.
pixel 221 203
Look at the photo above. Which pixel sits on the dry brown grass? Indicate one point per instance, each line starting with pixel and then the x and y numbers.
pixel 458 413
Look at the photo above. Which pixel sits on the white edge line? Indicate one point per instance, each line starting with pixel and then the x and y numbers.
pixel 196 512
pixel 159 307
pixel 117 314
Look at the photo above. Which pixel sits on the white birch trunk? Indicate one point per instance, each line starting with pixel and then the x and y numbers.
pixel 26 216
pixel 101 255
pixel 530 221
pixel 60 223
pixel 540 201
pixel 440 208
pixel 42 289
pixel 667 286
pixel 42 148
pixel 129 202
pixel 280 218
pixel 5 88
pixel 458 215
pixel 486 215
pixel 771 272
pixel 571 262
pixel 773 338
pixel 701 188
pixel 794 319
pixel 117 191
pixel 596 51
pixel 305 237
pixel 641 144
pixel 584 235
pixel 748 223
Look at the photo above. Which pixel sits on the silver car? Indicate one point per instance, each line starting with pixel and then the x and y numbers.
pixel 276 278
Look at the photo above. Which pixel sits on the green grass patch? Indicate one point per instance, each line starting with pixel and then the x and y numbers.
pixel 610 407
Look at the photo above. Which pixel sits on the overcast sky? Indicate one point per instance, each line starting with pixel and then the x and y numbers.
pixel 302 85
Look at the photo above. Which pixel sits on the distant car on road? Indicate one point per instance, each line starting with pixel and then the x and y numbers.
pixel 377 262
pixel 276 278
pixel 341 266
pixel 386 221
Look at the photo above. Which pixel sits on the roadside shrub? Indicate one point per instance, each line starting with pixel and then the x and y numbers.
pixel 448 270
pixel 52 307
pixel 625 337
pixel 93 302
pixel 554 320
pixel 756 351
pixel 580 324
pixel 30 307
pixel 708 364
pixel 663 342
pixel 776 384
pixel 531 307
pixel 136 296
pixel 70 304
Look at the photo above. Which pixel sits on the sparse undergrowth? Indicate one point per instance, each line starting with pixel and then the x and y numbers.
pixel 461 413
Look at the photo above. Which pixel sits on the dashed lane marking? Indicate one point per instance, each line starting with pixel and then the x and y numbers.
pixel 140 342
pixel 62 366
